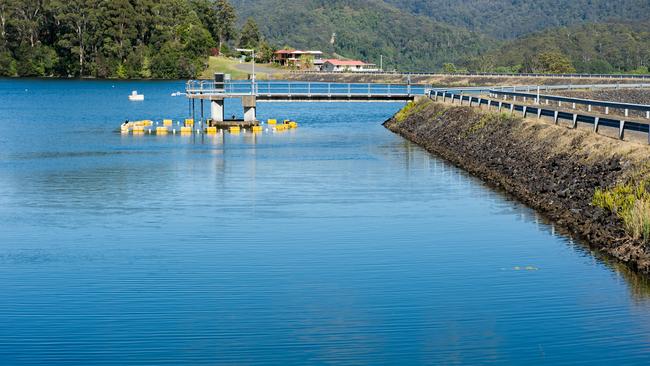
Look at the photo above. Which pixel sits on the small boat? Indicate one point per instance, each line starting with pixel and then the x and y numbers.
pixel 135 97
pixel 177 94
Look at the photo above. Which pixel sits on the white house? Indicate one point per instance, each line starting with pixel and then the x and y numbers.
pixel 333 65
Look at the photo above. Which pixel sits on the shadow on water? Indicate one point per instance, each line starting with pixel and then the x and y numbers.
pixel 416 156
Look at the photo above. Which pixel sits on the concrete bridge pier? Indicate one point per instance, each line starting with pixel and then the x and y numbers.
pixel 249 103
pixel 217 110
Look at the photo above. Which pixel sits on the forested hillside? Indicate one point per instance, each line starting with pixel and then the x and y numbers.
pixel 508 19
pixel 364 29
pixel 173 38
pixel 589 48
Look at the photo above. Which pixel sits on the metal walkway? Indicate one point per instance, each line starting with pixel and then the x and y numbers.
pixel 272 91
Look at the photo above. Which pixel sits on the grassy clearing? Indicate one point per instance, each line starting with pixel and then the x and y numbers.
pixel 630 202
pixel 229 66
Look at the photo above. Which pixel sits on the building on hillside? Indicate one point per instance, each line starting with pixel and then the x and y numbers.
pixel 333 65
pixel 297 58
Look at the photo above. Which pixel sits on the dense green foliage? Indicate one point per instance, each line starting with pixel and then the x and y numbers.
pixel 111 38
pixel 509 19
pixel 363 29
pixel 172 38
pixel 588 48
pixel 416 35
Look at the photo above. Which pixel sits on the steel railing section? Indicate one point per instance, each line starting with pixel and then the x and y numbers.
pixel 620 123
pixel 301 88
pixel 581 101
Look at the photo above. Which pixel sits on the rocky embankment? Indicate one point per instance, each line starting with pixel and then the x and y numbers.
pixel 446 80
pixel 636 96
pixel 550 168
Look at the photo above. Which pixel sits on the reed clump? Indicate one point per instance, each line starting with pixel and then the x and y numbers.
pixel 631 203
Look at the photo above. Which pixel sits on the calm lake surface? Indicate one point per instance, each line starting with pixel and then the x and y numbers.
pixel 338 242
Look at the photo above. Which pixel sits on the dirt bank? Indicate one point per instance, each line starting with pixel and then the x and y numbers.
pixel 550 168
pixel 447 80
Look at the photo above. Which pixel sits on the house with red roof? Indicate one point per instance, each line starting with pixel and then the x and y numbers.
pixel 298 58
pixel 333 65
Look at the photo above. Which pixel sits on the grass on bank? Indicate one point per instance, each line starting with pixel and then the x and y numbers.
pixel 631 203
pixel 229 66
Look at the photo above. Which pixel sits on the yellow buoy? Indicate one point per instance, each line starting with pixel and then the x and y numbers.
pixel 167 122
pixel 257 128
pixel 186 130
pixel 189 122
pixel 235 129
pixel 161 130
pixel 272 122
pixel 293 124
pixel 211 130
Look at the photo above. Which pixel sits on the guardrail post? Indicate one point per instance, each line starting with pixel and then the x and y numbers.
pixel 589 107
pixel 539 112
pixel 500 105
pixel 436 96
pixel 461 98
pixel 512 108
pixel 627 112
pixel 523 112
pixel 575 120
pixel 606 110
pixel 621 130
pixel 452 98
pixel 573 105
pixel 596 122
pixel 479 103
pixel 647 114
pixel 444 96
pixel 556 116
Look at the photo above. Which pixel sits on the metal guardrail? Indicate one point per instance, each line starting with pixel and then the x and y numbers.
pixel 273 88
pixel 626 107
pixel 485 74
pixel 548 111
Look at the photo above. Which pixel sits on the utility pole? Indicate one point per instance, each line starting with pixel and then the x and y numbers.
pixel 252 52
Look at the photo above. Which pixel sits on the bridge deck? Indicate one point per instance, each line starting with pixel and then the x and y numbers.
pixel 303 92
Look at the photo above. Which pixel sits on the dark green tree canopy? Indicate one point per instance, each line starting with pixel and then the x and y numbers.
pixel 250 34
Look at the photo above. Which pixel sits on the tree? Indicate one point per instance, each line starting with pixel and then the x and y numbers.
pixel 28 18
pixel 250 34
pixel 78 21
pixel 265 52
pixel 224 29
pixel 449 68
pixel 555 63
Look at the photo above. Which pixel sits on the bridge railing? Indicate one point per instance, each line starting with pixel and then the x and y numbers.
pixel 606 106
pixel 622 124
pixel 237 88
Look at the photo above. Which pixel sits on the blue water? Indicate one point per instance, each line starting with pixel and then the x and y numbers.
pixel 338 242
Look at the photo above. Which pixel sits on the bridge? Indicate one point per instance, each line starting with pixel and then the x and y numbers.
pixel 252 93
